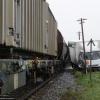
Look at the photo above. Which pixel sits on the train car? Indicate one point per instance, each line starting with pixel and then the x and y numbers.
pixel 63 52
pixel 28 30
pixel 59 44
pixel 29 25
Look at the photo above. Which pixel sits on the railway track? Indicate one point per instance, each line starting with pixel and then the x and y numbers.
pixel 24 93
pixel 56 87
pixel 36 89
pixel 27 91
pixel 42 85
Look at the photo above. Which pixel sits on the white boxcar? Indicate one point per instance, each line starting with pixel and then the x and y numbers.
pixel 28 24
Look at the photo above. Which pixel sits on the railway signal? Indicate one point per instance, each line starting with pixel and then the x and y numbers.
pixel 91 42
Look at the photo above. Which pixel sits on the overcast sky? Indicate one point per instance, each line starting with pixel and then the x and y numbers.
pixel 67 12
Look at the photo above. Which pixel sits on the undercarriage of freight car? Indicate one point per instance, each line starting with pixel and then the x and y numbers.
pixel 10 52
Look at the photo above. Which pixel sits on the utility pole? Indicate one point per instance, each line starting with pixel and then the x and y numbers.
pixel 81 20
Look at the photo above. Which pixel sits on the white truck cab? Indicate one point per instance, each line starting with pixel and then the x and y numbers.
pixel 77 54
pixel 94 57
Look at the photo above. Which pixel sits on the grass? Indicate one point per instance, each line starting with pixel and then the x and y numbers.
pixel 91 88
pixel 71 95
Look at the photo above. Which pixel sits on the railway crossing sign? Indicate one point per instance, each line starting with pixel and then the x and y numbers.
pixel 91 42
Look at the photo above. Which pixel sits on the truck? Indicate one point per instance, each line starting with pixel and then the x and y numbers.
pixel 76 52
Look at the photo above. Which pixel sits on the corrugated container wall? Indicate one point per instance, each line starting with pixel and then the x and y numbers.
pixel 6 21
pixel 28 24
pixel 0 21
pixel 49 31
pixel 31 25
pixel 52 30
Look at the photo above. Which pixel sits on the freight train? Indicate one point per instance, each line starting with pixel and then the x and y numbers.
pixel 18 71
pixel 28 29
pixel 28 32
